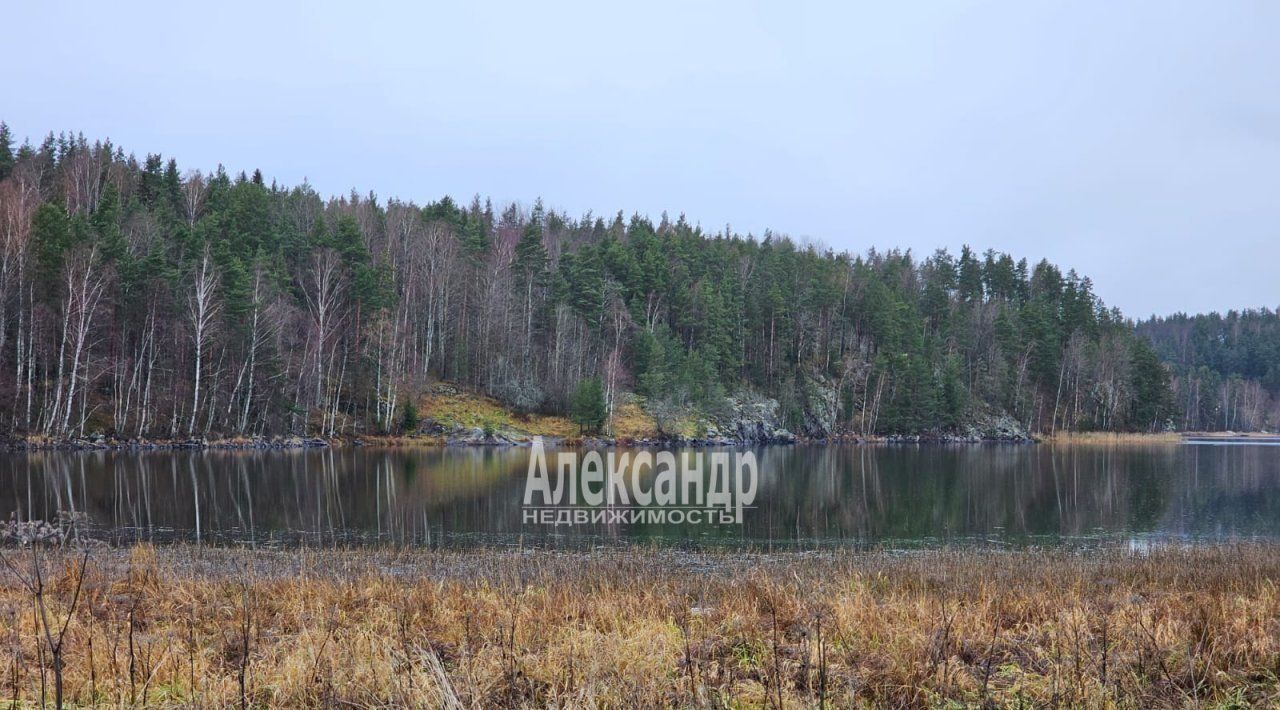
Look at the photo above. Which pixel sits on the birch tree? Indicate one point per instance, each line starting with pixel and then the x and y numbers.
pixel 85 280
pixel 202 310
pixel 193 194
pixel 322 288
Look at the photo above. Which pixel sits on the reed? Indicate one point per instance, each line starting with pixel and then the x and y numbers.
pixel 642 627
pixel 1111 437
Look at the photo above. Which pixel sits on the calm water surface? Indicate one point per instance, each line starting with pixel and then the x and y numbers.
pixel 808 496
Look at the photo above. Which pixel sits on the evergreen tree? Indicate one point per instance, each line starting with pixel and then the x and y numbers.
pixel 409 419
pixel 6 151
pixel 51 238
pixel 1151 388
pixel 588 409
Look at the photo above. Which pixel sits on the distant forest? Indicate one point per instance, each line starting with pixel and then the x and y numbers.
pixel 1226 369
pixel 139 299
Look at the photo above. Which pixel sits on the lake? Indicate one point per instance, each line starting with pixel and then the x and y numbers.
pixel 808 496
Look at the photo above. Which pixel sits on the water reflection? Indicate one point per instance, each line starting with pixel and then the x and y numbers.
pixel 808 495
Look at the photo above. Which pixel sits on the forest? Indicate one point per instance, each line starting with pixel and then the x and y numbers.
pixel 139 299
pixel 1225 369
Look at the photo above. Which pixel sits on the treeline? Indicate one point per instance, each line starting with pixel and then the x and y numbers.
pixel 1226 369
pixel 141 300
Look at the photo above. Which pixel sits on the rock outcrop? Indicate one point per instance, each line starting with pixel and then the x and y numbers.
pixel 820 407
pixel 749 419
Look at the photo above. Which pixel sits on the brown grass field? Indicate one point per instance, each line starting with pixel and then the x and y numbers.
pixel 1112 438
pixel 640 627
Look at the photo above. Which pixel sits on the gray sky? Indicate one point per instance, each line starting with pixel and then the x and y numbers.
pixel 1138 142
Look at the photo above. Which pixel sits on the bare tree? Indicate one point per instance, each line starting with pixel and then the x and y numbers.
pixel 202 308
pixel 263 326
pixel 85 279
pixel 54 634
pixel 85 168
pixel 438 253
pixel 322 287
pixel 19 198
pixel 193 193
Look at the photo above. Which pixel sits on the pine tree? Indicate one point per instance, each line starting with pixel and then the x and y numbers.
pixel 530 264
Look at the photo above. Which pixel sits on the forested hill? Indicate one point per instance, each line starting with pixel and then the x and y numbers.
pixel 139 298
pixel 1226 369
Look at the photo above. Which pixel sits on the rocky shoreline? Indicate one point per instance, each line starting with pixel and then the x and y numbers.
pixel 479 438
pixel 106 443
pixel 743 419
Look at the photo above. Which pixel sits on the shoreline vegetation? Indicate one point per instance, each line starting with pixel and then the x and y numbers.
pixel 645 627
pixel 428 441
pixel 451 417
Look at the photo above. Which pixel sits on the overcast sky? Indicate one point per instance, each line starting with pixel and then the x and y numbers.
pixel 1138 142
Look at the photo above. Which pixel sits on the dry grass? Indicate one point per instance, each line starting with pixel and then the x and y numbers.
pixel 631 421
pixel 451 407
pixel 1111 438
pixel 644 628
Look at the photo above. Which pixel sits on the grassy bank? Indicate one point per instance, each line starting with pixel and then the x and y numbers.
pixel 1111 438
pixel 641 628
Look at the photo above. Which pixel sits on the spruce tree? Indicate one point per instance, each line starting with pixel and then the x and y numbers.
pixel 409 420
pixel 6 151
pixel 588 409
